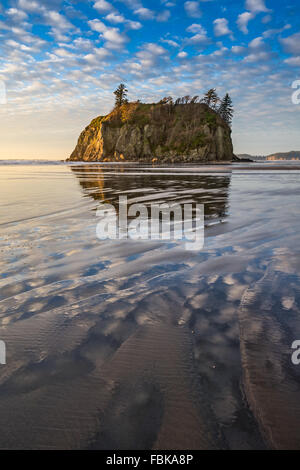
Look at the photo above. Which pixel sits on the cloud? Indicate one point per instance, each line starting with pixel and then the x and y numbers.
pixel 34 88
pixel 243 20
pixel 17 15
pixel 256 57
pixel 291 44
pixel 272 32
pixel 256 6
pixel 97 56
pixel 196 28
pixel 170 42
pixel 132 4
pixel 293 61
pixel 30 5
pixel 145 13
pixel 163 16
pixel 182 55
pixel 114 38
pixel 97 25
pixel 133 24
pixel 147 61
pixel 221 27
pixel 192 9
pixel 220 52
pixel 22 47
pixel 103 6
pixel 238 50
pixel 58 21
pixel 155 49
pixel 115 18
pixel 257 43
pixel 59 24
pixel 266 19
pixel 199 39
pixel 81 44
pixel 61 52
pixel 201 34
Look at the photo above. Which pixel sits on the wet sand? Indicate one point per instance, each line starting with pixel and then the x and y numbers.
pixel 120 344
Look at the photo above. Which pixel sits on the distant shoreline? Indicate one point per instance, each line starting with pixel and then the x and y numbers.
pixel 192 168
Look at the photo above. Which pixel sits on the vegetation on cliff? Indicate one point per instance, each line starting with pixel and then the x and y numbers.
pixel 120 95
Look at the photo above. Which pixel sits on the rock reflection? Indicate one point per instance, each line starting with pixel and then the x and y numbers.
pixel 107 183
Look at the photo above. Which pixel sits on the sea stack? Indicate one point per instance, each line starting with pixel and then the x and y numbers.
pixel 156 133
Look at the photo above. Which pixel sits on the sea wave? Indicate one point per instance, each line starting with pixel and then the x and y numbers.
pixel 32 162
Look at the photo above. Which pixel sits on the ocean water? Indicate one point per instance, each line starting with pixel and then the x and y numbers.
pixel 123 344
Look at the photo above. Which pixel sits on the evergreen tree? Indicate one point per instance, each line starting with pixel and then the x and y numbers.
pixel 211 98
pixel 194 99
pixel 186 99
pixel 121 95
pixel 226 109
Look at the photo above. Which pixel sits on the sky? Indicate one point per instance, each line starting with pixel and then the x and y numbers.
pixel 61 61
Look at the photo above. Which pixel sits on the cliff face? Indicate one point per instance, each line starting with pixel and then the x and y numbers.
pixel 158 133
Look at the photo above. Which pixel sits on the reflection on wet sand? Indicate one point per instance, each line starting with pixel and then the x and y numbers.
pixel 129 345
pixel 266 329
pixel 107 184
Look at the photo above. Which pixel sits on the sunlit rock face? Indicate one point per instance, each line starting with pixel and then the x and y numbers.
pixel 156 133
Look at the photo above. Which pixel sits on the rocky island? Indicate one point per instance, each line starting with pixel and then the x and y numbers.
pixel 184 131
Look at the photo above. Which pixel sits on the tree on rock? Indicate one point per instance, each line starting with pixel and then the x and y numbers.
pixel 211 98
pixel 121 95
pixel 226 109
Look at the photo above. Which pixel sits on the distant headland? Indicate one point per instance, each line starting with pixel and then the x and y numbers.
pixel 186 130
pixel 292 155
